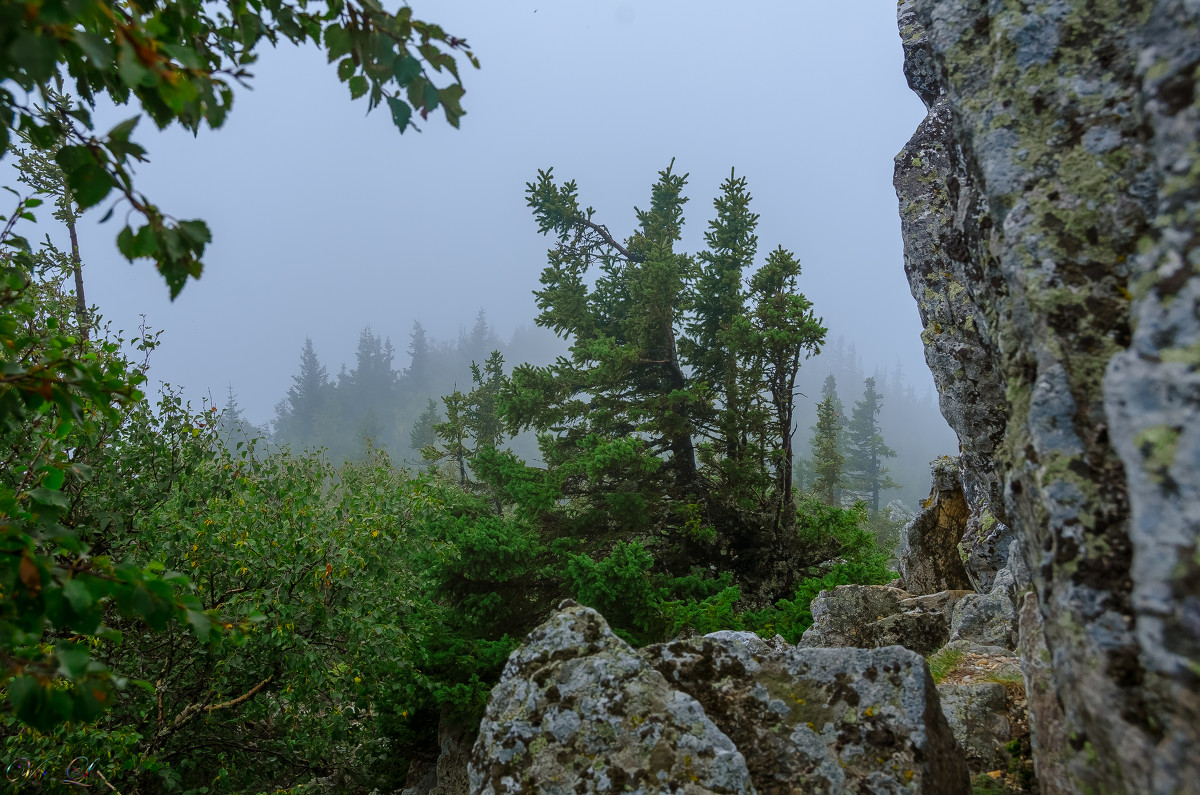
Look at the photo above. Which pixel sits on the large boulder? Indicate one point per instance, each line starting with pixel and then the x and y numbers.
pixel 1050 209
pixel 979 719
pixel 821 720
pixel 577 711
pixel 871 616
pixel 987 619
pixel 928 554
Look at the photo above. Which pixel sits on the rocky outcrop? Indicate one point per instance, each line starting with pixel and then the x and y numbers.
pixel 872 616
pixel 445 773
pixel 820 720
pixel 577 710
pixel 985 619
pixel 978 716
pixel 1049 210
pixel 928 554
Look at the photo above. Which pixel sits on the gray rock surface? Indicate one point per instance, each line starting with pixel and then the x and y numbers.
pixel 1049 209
pixel 845 615
pixel 928 554
pixel 871 616
pixel 1052 752
pixel 821 720
pixel 987 619
pixel 979 719
pixel 576 710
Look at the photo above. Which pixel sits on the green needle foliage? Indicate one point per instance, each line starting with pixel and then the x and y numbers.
pixel 674 411
pixel 866 473
pixel 828 462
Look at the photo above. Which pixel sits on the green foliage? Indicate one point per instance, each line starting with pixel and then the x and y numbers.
pixel 175 61
pixel 620 587
pixel 865 472
pixel 827 459
pixel 679 390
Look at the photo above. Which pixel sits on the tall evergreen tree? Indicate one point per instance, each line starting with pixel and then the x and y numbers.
pixel 731 245
pixel 783 332
pixel 233 429
pixel 296 417
pixel 368 392
pixel 865 471
pixel 828 462
pixel 667 351
pixel 622 399
pixel 419 373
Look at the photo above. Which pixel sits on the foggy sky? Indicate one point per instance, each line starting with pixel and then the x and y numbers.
pixel 325 221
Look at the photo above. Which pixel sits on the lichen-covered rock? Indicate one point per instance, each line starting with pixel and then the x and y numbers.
pixel 928 554
pixel 987 619
pixel 917 630
pixel 979 719
pixel 1052 752
pixel 1051 215
pixel 870 616
pixel 576 711
pixel 942 602
pixel 845 615
pixel 821 720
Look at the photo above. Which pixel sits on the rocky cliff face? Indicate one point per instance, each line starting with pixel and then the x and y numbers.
pixel 1049 210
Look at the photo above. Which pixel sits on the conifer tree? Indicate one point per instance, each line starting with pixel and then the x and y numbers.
pixel 621 409
pixel 865 472
pixel 297 415
pixel 828 445
pixel 423 434
pixel 667 350
pixel 783 332
pixel 720 300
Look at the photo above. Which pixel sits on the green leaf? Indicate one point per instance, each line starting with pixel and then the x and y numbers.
pixel 401 112
pixel 405 69
pixel 89 184
pixel 78 594
pixel 35 55
pixel 196 231
pixel 200 623
pixel 122 130
pixel 346 69
pixel 24 695
pixel 73 659
pixel 95 47
pixel 431 97
pixel 52 477
pixel 358 86
pixel 49 497
pixel 337 42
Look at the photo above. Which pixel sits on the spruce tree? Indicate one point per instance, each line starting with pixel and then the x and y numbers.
pixel 423 434
pixel 783 331
pixel 676 404
pixel 621 410
pixel 296 417
pixel 828 445
pixel 720 300
pixel 865 472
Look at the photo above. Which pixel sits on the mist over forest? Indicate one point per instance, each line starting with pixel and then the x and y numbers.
pixel 379 397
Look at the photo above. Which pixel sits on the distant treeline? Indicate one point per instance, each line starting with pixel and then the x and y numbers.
pixel 377 403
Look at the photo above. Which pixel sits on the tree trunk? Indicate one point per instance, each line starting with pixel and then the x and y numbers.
pixel 81 313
